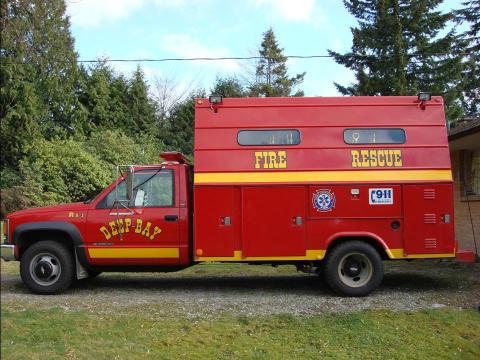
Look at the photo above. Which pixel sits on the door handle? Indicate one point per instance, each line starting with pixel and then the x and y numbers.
pixel 171 217
pixel 297 220
pixel 225 221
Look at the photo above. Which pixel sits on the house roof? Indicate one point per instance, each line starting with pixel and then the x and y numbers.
pixel 466 127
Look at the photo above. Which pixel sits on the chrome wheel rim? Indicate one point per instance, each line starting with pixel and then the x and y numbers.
pixel 45 269
pixel 355 269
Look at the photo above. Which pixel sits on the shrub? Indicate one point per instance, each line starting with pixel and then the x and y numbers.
pixel 13 199
pixel 59 171
pixel 116 148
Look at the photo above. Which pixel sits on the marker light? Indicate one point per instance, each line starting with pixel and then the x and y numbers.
pixel 215 99
pixel 424 96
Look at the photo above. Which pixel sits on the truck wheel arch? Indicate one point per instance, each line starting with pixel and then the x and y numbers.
pixel 367 237
pixel 24 235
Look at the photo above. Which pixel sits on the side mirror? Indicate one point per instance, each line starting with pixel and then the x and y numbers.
pixel 139 198
pixel 129 182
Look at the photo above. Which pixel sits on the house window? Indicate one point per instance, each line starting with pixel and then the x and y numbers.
pixel 470 173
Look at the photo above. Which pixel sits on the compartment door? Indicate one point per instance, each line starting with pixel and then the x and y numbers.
pixel 214 221
pixel 273 221
pixel 428 219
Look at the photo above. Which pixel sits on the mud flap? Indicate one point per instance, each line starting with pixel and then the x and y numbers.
pixel 82 273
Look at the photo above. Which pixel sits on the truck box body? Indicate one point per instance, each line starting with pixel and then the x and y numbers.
pixel 381 164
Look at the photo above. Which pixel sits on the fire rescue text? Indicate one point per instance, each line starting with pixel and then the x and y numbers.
pixel 270 159
pixel 377 158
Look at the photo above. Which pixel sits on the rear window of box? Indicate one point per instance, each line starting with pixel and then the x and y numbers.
pixel 268 137
pixel 374 136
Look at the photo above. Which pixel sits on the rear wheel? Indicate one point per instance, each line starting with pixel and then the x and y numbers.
pixel 47 267
pixel 353 268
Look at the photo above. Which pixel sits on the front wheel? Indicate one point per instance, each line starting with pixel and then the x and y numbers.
pixel 353 268
pixel 47 267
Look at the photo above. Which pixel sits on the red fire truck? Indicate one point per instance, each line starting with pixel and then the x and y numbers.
pixel 335 184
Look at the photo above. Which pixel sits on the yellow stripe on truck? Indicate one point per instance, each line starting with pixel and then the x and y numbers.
pixel 400 254
pixel 322 176
pixel 173 253
pixel 237 256
pixel 133 253
pixel 317 255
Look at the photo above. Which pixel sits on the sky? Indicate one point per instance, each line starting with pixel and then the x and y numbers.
pixel 134 29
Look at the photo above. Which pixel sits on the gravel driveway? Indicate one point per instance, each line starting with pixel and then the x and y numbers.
pixel 209 289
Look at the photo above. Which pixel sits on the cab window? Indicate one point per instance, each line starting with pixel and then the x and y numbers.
pixel 151 189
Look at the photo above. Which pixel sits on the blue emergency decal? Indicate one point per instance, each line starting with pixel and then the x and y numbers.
pixel 383 196
pixel 323 200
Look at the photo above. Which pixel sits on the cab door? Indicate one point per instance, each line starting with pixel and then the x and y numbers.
pixel 144 231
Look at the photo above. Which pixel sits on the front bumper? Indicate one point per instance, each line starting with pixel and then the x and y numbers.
pixel 7 252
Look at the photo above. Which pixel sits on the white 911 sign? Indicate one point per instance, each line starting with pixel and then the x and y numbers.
pixel 383 196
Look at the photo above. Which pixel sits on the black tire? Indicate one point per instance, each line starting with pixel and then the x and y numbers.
pixel 47 267
pixel 353 268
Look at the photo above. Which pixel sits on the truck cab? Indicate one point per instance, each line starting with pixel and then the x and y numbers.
pixel 149 228
pixel 148 231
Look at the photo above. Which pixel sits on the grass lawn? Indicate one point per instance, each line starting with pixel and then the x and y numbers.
pixel 57 327
pixel 60 334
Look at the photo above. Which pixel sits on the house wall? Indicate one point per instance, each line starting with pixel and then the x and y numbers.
pixel 467 213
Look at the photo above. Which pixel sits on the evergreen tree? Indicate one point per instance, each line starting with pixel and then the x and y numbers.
pixel 398 50
pixel 470 13
pixel 38 75
pixel 97 97
pixel 177 131
pixel 120 117
pixel 228 87
pixel 141 107
pixel 271 72
pixel 114 102
pixel 469 43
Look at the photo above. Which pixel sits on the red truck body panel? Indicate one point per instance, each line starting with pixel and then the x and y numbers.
pixel 268 192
